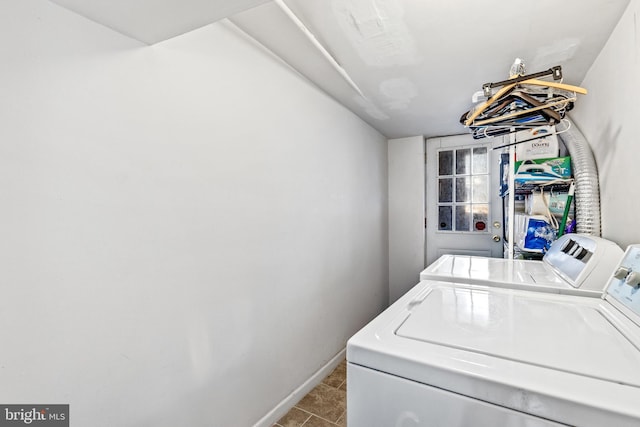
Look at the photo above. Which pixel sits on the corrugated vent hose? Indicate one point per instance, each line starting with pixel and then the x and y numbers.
pixel 585 173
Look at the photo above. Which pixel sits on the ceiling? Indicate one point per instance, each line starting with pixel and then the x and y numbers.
pixel 152 21
pixel 413 64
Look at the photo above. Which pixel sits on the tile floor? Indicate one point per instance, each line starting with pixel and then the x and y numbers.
pixel 324 406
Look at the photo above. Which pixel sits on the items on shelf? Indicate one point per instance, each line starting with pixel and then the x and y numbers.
pixel 536 182
pixel 543 192
pixel 537 143
pixel 534 233
pixel 540 171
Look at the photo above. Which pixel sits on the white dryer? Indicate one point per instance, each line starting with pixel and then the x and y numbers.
pixel 460 355
pixel 576 264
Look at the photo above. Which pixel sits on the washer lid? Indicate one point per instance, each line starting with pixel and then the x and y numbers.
pixel 539 330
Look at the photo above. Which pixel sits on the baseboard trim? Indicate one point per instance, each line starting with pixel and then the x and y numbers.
pixel 288 402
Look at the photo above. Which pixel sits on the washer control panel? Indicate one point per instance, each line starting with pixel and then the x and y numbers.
pixel 624 285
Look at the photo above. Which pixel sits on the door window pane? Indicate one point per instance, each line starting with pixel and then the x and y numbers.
pixel 463 161
pixel 445 163
pixel 480 190
pixel 444 218
pixel 445 190
pixel 463 190
pixel 480 160
pixel 463 217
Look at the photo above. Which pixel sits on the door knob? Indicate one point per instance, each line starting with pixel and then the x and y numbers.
pixel 496 238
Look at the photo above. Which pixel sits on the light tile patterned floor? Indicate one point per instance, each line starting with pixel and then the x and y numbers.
pixel 324 406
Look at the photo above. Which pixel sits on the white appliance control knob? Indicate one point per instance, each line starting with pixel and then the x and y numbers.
pixel 633 279
pixel 621 273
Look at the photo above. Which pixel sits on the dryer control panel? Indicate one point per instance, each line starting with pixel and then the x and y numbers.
pixel 624 284
pixel 584 261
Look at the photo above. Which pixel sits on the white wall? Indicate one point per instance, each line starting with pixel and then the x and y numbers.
pixel 188 231
pixel 607 117
pixel 406 214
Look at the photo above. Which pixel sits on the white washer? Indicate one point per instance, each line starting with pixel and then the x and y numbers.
pixel 576 264
pixel 461 355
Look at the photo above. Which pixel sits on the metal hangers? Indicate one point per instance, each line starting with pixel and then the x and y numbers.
pixel 556 72
pixel 523 101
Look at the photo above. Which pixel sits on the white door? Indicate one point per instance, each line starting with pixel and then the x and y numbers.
pixel 464 208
